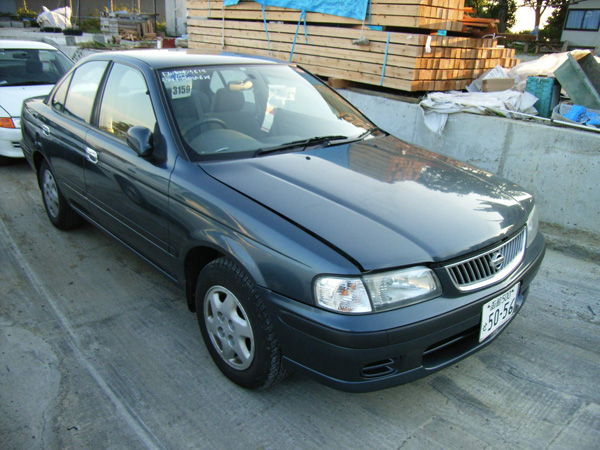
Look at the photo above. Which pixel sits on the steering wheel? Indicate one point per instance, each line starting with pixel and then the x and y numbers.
pixel 196 128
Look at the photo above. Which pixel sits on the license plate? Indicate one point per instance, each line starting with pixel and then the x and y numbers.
pixel 497 312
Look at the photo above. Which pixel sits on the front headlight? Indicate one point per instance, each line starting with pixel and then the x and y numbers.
pixel 378 292
pixel 533 223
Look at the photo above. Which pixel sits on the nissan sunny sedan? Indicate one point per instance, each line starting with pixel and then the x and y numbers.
pixel 305 238
pixel 27 69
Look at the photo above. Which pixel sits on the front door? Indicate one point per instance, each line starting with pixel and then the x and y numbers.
pixel 128 194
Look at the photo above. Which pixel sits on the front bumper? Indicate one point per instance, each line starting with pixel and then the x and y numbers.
pixel 10 145
pixel 365 353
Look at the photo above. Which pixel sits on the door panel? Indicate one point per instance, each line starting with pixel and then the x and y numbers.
pixel 128 194
pixel 66 126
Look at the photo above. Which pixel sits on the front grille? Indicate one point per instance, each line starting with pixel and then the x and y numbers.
pixel 16 145
pixel 489 267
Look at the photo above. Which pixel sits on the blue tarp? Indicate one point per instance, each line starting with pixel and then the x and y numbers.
pixel 355 9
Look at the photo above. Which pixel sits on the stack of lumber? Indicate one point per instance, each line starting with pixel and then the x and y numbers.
pixel 428 14
pixel 411 60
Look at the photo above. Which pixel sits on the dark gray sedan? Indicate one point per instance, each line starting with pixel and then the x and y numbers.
pixel 305 237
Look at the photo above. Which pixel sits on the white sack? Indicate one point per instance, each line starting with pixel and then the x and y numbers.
pixel 59 18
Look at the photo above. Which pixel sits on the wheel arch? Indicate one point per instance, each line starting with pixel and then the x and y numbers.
pixel 38 158
pixel 199 256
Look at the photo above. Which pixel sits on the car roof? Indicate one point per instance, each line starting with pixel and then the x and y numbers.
pixel 166 59
pixel 23 44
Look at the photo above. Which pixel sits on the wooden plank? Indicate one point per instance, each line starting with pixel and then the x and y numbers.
pixel 313 41
pixel 401 16
pixel 349 33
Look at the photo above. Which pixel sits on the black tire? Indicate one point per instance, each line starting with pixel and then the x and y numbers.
pixel 236 327
pixel 58 210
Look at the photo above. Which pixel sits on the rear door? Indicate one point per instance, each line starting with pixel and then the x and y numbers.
pixel 64 128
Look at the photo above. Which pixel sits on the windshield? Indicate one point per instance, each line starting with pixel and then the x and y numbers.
pixel 26 67
pixel 259 109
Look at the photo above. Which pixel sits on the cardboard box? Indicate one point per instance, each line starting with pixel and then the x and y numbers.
pixel 497 84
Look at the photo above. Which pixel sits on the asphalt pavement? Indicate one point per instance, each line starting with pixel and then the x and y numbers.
pixel 98 350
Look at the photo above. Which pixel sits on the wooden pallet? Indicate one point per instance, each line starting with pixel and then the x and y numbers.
pixel 451 62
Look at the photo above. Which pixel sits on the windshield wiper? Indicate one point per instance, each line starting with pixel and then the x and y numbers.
pixel 301 143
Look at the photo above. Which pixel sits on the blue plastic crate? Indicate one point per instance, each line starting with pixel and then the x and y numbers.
pixel 547 90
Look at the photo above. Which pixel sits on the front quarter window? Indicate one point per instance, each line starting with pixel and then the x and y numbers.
pixel 58 100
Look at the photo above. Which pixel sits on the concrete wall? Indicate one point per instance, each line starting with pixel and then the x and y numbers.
pixel 560 166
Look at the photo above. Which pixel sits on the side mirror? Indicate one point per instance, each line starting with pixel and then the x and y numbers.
pixel 140 140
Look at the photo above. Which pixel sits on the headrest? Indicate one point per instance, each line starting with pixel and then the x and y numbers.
pixel 226 100
pixel 32 66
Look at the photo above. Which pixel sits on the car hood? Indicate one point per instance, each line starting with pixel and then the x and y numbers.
pixel 13 96
pixel 382 203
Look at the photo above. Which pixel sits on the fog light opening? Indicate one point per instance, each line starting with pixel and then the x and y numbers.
pixel 378 369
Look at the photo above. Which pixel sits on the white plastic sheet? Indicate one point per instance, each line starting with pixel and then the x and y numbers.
pixel 437 105
pixel 58 18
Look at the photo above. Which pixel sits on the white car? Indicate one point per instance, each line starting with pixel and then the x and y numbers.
pixel 27 69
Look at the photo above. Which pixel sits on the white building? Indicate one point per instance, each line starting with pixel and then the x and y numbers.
pixel 582 27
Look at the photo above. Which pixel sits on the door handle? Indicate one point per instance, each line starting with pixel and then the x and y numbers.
pixel 91 155
pixel 45 130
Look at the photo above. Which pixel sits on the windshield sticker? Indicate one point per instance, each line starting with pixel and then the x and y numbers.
pixel 185 75
pixel 179 89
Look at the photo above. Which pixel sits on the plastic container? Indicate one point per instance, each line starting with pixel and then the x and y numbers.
pixel 547 90
pixel 581 80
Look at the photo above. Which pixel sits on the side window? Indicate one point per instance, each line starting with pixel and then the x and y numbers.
pixel 126 102
pixel 58 101
pixel 83 88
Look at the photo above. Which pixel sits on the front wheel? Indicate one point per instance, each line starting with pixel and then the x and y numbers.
pixel 236 327
pixel 58 210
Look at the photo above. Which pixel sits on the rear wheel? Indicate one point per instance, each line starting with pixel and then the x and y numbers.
pixel 236 327
pixel 58 210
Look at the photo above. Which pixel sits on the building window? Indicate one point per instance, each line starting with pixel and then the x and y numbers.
pixel 583 19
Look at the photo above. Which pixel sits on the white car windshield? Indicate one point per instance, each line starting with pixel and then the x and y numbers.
pixel 27 67
pixel 258 109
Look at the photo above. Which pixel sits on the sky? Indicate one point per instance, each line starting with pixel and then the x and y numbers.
pixel 526 19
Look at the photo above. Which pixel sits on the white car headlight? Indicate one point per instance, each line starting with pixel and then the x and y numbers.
pixel 533 223
pixel 378 292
